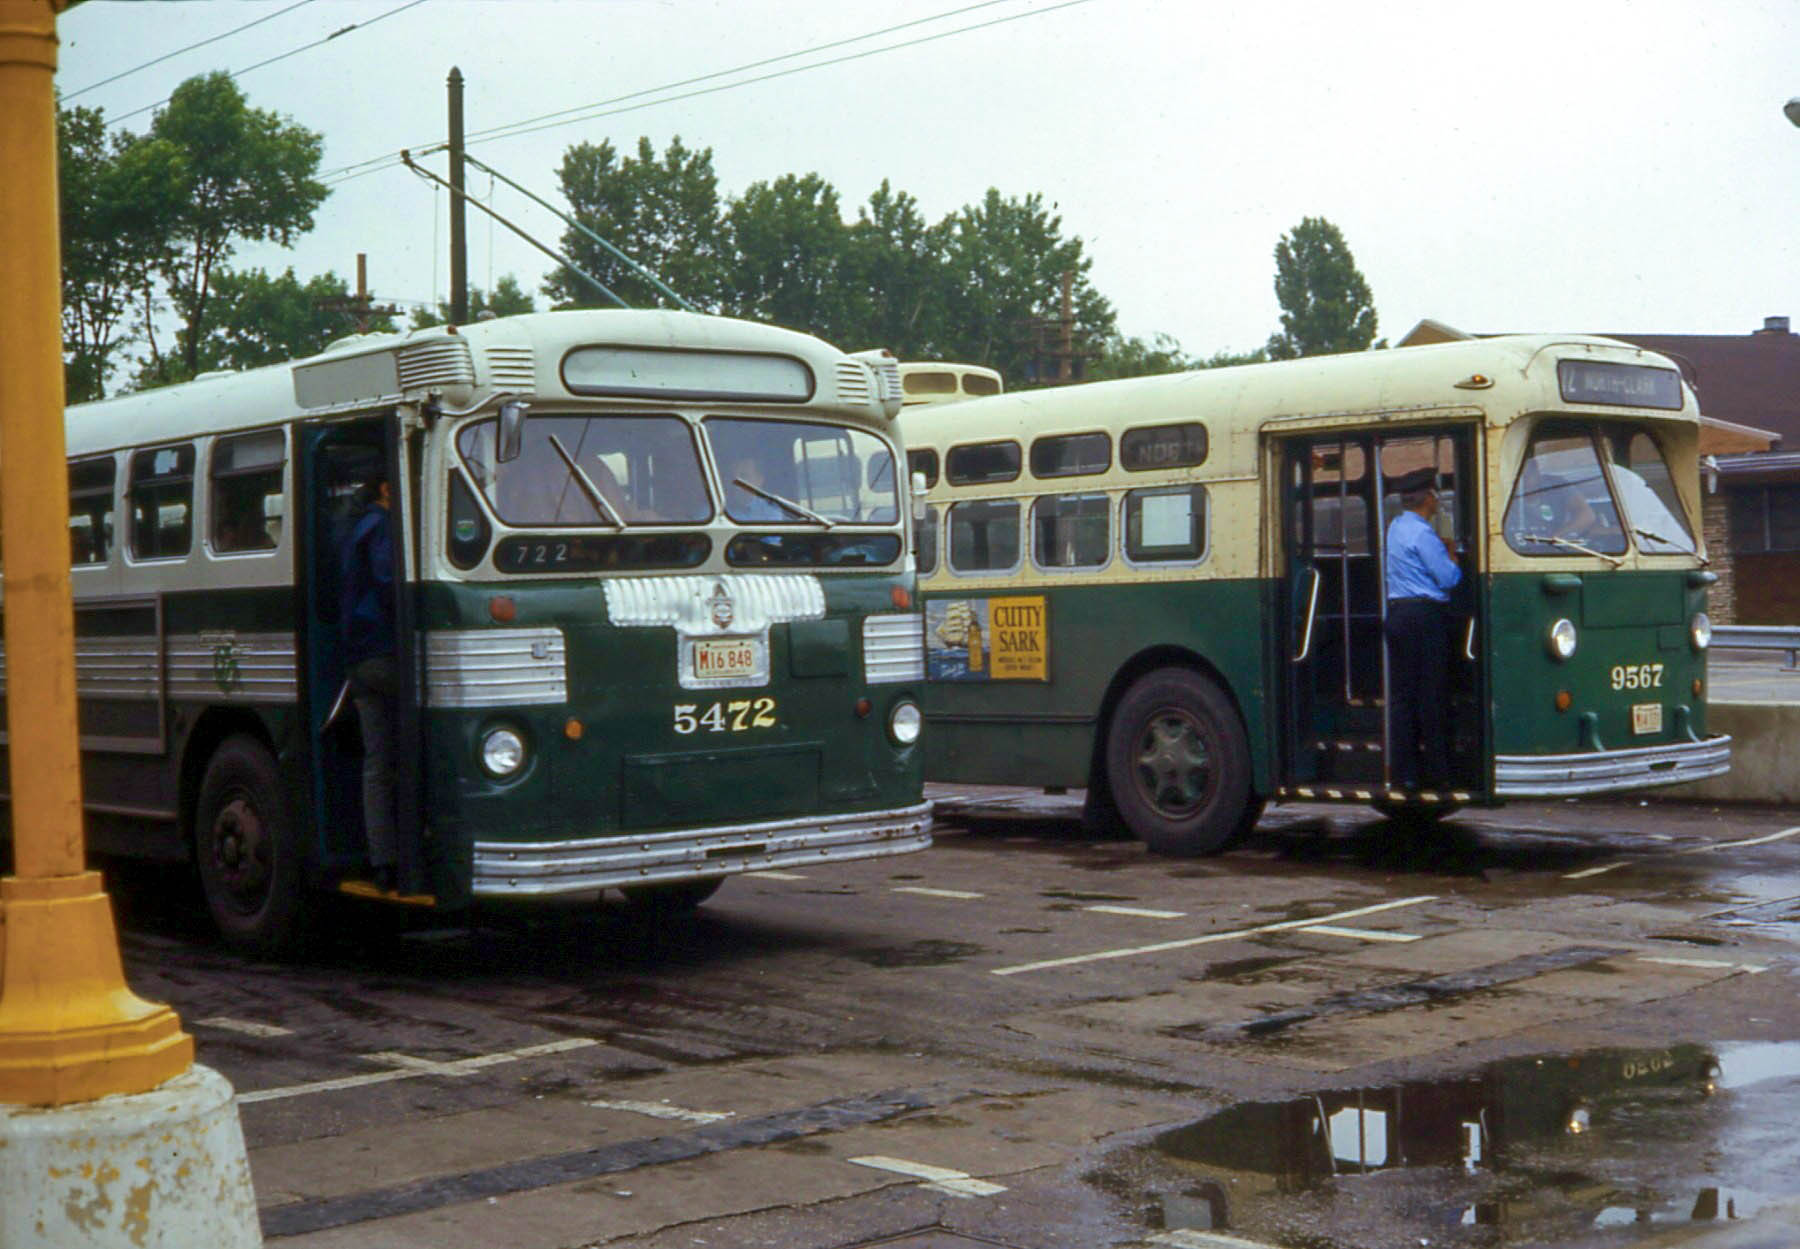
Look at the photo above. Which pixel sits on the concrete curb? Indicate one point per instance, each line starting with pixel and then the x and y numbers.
pixel 1765 755
pixel 165 1169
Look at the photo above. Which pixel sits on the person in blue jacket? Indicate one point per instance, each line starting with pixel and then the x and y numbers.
pixel 366 632
pixel 1421 572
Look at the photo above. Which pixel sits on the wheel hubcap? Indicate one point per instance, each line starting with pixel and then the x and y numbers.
pixel 241 853
pixel 1173 766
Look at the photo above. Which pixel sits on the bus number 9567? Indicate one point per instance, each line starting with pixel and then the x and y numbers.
pixel 740 715
pixel 1637 676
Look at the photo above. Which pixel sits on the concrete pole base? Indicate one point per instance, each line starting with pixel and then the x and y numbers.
pixel 165 1169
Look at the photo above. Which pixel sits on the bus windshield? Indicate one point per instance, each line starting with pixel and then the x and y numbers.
pixel 793 472
pixel 1563 501
pixel 645 470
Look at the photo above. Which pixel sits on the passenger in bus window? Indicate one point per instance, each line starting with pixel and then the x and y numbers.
pixel 1421 572
pixel 366 623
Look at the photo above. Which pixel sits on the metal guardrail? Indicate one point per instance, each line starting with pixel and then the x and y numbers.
pixel 1760 638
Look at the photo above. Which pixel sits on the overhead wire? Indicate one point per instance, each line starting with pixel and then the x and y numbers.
pixel 238 73
pixel 169 56
pixel 546 121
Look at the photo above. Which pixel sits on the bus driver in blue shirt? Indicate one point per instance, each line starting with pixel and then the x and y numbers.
pixel 1421 572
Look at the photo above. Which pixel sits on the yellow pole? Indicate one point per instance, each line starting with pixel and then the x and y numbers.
pixel 70 1029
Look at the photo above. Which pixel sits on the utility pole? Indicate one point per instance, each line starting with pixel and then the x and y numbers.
pixel 1053 339
pixel 1065 358
pixel 72 1034
pixel 360 307
pixel 459 233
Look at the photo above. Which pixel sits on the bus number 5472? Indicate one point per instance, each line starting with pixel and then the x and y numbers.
pixel 737 716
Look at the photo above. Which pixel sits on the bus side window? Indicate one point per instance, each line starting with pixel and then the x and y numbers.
pixel 246 505
pixel 91 511
pixel 984 535
pixel 469 528
pixel 923 461
pixel 927 538
pixel 1071 455
pixel 977 462
pixel 1165 524
pixel 1071 530
pixel 162 502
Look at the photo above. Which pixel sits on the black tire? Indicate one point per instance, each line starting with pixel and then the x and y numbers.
pixel 248 850
pixel 666 901
pixel 1178 764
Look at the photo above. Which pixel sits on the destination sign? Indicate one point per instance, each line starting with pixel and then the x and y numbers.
pixel 1620 385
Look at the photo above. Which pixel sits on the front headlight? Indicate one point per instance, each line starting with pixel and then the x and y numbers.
pixel 1561 639
pixel 1700 631
pixel 904 723
pixel 502 752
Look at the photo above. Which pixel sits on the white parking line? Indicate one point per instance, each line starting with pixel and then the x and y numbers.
pixel 1183 1238
pixel 1210 938
pixel 1360 934
pixel 662 1110
pixel 1596 871
pixel 407 1067
pixel 1764 840
pixel 923 892
pixel 248 1027
pixel 938 1179
pixel 1751 969
pixel 772 874
pixel 1141 912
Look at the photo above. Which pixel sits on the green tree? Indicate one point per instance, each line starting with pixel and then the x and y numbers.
pixel 261 319
pixel 1004 260
pixel 894 269
pixel 226 173
pixel 789 248
pixel 110 245
pixel 662 212
pixel 1325 303
pixel 508 299
pixel 1120 356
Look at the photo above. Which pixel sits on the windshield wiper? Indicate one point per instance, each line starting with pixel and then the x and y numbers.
pixel 1614 560
pixel 1674 547
pixel 804 513
pixel 587 485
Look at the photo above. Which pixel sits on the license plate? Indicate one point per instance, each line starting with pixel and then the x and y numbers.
pixel 1646 717
pixel 726 661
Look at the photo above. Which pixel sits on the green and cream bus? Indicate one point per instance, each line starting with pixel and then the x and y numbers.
pixel 1169 589
pixel 657 622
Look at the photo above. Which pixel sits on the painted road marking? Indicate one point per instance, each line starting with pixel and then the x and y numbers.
pixel 1142 912
pixel 248 1027
pixel 1236 934
pixel 923 892
pixel 938 1179
pixel 1183 1238
pixel 774 875
pixel 407 1067
pixel 1764 840
pixel 662 1110
pixel 1751 969
pixel 1597 871
pixel 1360 934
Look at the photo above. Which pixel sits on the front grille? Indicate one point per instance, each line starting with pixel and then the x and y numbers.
pixel 893 648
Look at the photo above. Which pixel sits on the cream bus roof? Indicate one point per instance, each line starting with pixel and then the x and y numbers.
pixel 521 355
pixel 1519 373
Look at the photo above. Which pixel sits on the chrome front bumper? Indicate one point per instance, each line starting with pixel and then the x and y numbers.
pixel 1604 771
pixel 511 869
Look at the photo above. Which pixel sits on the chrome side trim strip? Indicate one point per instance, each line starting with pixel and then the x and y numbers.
pixel 893 648
pixel 542 869
pixel 495 668
pixel 1603 771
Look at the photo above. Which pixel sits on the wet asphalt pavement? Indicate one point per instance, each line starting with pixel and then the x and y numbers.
pixel 1567 1024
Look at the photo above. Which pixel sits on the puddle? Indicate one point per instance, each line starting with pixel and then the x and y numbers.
pixel 1557 1149
pixel 927 953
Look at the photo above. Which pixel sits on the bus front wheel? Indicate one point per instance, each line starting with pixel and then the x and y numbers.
pixel 1178 764
pixel 247 850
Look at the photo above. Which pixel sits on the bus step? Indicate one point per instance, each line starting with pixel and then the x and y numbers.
pixel 368 889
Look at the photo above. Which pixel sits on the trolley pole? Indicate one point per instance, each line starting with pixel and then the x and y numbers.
pixel 459 231
pixel 71 1032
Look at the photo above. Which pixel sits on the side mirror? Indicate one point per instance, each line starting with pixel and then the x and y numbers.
pixel 918 496
pixel 512 430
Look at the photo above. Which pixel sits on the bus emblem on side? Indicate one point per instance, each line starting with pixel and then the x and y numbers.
pixel 722 607
pixel 225 666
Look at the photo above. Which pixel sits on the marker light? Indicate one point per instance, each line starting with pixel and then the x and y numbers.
pixel 900 596
pixel 1564 700
pixel 502 609
pixel 1700 631
pixel 904 723
pixel 502 752
pixel 1561 639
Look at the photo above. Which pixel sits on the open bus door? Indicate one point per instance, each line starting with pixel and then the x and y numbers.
pixel 336 463
pixel 1338 496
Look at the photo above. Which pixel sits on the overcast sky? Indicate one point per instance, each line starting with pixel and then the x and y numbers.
pixel 1534 165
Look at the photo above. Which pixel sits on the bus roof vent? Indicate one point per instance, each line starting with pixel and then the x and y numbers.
pixel 512 368
pixel 435 362
pixel 853 382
